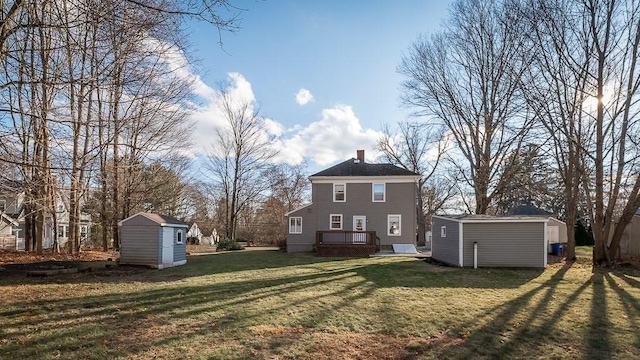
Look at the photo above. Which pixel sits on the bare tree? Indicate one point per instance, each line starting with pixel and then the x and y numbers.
pixel 584 83
pixel 556 90
pixel 417 147
pixel 469 77
pixel 614 31
pixel 239 158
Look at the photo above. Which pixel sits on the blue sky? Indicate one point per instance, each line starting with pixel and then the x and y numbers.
pixel 343 53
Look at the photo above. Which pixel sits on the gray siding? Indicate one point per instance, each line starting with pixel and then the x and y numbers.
pixel 445 249
pixel 303 242
pixel 140 244
pixel 400 199
pixel 179 250
pixel 503 244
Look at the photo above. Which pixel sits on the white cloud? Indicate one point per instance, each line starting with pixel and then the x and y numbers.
pixel 304 96
pixel 332 139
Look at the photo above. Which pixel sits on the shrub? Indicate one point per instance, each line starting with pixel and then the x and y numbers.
pixel 228 244
pixel 282 244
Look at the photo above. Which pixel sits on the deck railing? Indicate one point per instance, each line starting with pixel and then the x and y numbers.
pixel 366 241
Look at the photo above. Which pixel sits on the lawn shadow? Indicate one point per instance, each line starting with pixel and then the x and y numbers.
pixel 197 265
pixel 514 329
pixel 418 273
pixel 130 323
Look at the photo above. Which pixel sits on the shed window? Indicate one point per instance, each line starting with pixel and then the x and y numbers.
pixel 394 225
pixel 295 225
pixel 179 240
pixel 443 231
pixel 339 193
pixel 336 222
pixel 378 192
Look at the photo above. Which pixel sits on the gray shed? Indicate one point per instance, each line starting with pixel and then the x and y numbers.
pixel 490 241
pixel 154 240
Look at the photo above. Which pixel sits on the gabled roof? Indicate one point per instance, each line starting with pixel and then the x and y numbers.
pixel 354 167
pixel 527 210
pixel 8 219
pixel 466 218
pixel 162 220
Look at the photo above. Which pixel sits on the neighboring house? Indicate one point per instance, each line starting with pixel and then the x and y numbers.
pixel 13 223
pixel 630 242
pixel 153 240
pixel 356 208
pixel 490 241
pixel 194 233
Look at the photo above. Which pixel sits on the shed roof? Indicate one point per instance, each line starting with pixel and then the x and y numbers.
pixel 491 218
pixel 162 220
pixel 355 167
pixel 527 210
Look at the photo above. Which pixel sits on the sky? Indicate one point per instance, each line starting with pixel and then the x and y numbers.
pixel 323 73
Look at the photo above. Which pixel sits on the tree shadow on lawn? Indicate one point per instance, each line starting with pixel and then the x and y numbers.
pixel 129 323
pixel 200 265
pixel 417 273
pixel 529 324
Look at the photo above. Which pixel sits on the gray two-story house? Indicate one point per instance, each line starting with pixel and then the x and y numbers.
pixel 356 204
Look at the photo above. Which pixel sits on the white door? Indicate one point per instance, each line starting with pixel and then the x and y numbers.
pixel 360 224
pixel 167 247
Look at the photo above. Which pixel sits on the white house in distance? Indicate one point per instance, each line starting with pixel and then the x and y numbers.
pixel 12 220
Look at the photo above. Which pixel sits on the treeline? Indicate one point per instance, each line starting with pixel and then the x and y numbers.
pixel 93 95
pixel 530 101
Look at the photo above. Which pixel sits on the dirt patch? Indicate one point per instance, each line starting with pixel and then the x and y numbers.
pixel 21 263
pixel 351 345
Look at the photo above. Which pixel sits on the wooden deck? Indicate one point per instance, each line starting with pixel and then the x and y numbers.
pixel 346 243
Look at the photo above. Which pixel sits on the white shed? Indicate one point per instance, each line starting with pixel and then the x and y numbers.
pixel 153 240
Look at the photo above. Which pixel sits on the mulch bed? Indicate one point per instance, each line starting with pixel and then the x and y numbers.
pixel 21 263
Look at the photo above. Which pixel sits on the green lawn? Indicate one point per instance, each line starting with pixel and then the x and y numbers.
pixel 270 305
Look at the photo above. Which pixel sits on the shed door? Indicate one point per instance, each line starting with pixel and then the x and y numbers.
pixel 360 224
pixel 553 234
pixel 167 247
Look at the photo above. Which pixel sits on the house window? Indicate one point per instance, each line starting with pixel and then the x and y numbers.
pixel 378 192
pixel 336 222
pixel 295 225
pixel 83 231
pixel 61 231
pixel 3 205
pixel 443 231
pixel 179 240
pixel 394 223
pixel 339 192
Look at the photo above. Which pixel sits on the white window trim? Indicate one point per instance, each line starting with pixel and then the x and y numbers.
pixel 293 229
pixel 331 222
pixel 179 237
pixel 443 231
pixel 373 192
pixel 389 225
pixel 344 186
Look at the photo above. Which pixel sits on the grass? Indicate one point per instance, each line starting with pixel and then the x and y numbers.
pixel 270 305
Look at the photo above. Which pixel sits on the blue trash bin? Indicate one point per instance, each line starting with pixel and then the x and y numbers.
pixel 560 250
pixel 555 249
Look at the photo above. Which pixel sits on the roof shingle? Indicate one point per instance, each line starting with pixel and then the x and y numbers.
pixel 352 167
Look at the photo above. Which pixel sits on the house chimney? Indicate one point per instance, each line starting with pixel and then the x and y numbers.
pixel 360 156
